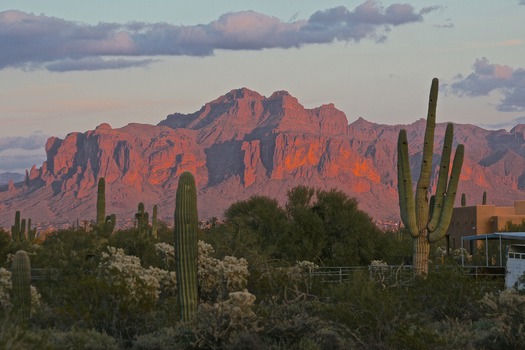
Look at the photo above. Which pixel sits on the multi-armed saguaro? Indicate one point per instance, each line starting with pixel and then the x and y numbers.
pixel 105 223
pixel 186 224
pixel 428 220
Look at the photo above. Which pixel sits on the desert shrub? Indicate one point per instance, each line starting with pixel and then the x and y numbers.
pixel 217 326
pixel 295 326
pixel 13 336
pixel 81 339
pixel 449 293
pixel 506 313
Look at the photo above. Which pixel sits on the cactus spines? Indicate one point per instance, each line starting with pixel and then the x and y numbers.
pixel 484 201
pixel 186 224
pixel 21 279
pixel 428 222
pixel 154 222
pixel 101 202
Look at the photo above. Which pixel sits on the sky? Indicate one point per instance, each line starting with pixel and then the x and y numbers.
pixel 68 66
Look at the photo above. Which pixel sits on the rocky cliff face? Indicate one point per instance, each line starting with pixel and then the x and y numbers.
pixel 244 144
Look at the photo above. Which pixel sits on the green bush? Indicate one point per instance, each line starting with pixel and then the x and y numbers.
pixel 81 339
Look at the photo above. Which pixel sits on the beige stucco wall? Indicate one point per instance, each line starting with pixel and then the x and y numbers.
pixel 482 219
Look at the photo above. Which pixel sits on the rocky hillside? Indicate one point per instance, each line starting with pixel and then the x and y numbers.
pixel 244 144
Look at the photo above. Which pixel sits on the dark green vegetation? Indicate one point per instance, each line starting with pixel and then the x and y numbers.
pixel 97 297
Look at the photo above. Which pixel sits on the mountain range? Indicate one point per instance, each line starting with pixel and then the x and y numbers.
pixel 244 144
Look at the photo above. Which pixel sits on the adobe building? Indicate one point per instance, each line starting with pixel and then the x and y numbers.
pixel 482 219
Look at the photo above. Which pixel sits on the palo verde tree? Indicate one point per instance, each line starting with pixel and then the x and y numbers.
pixel 427 220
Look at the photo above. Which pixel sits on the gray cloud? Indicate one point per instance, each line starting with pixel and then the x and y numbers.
pixel 19 153
pixel 20 162
pixel 95 63
pixel 506 124
pixel 37 42
pixel 35 141
pixel 488 77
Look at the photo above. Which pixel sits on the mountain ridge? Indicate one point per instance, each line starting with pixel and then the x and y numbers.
pixel 242 144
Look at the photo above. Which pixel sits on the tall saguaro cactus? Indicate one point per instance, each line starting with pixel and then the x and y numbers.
pixel 424 225
pixel 142 218
pixel 101 202
pixel 15 229
pixel 463 200
pixel 21 278
pixel 154 221
pixel 186 224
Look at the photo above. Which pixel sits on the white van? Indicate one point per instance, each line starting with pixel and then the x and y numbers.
pixel 515 266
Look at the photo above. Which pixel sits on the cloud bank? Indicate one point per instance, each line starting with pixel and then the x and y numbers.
pixel 18 153
pixel 35 141
pixel 55 44
pixel 488 77
pixel 507 125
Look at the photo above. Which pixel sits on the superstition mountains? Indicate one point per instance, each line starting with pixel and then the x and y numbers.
pixel 244 144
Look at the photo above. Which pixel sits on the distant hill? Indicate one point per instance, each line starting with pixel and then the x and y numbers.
pixel 5 177
pixel 243 144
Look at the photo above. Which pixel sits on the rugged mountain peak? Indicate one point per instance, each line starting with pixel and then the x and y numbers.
pixel 518 131
pixel 243 112
pixel 243 144
pixel 239 94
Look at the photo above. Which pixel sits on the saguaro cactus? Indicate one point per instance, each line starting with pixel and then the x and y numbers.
pixel 110 224
pixel 424 225
pixel 22 229
pixel 154 221
pixel 142 218
pixel 101 202
pixel 21 278
pixel 186 224
pixel 15 229
pixel 30 232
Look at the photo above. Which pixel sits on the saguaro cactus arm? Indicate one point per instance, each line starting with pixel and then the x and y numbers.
pixel 448 206
pixel 423 183
pixel 441 187
pixel 404 184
